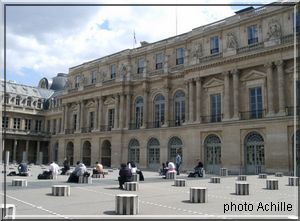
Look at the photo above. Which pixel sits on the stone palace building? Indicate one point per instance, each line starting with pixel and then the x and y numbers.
pixel 223 94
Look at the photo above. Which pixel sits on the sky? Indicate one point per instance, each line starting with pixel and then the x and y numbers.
pixel 42 41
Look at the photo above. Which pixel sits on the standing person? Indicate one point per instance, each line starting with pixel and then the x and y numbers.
pixel 54 169
pixel 178 163
pixel 124 175
pixel 66 166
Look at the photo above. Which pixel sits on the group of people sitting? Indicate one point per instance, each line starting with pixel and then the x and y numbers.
pixel 170 167
pixel 126 172
pixel 22 170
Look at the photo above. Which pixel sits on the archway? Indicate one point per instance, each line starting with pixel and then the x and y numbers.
pixel 70 152
pixel 86 153
pixel 106 153
pixel 212 148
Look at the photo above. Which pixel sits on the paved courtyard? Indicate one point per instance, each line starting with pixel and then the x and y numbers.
pixel 157 197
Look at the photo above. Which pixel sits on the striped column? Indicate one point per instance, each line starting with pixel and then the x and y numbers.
pixel 10 211
pixel 262 176
pixel 293 181
pixel 171 175
pixel 215 180
pixel 279 174
pixel 179 182
pixel 110 170
pixel 132 186
pixel 61 190
pixel 272 184
pixel 223 172
pixel 134 178
pixel 241 188
pixel 84 179
pixel 19 182
pixel 96 175
pixel 127 204
pixel 198 194
pixel 242 177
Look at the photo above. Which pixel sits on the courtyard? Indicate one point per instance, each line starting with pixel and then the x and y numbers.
pixel 157 198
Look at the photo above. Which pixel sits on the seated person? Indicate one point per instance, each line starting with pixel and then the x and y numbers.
pixel 163 169
pixel 198 170
pixel 171 167
pixel 54 168
pixel 124 175
pixel 80 170
pixel 135 170
pixel 23 169
pixel 47 174
pixel 66 167
pixel 98 169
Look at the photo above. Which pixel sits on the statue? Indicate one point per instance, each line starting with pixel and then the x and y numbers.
pixel 83 80
pixel 68 84
pixel 274 30
pixel 231 41
pixel 197 50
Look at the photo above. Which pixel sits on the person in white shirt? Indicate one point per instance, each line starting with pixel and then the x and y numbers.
pixel 54 168
pixel 171 167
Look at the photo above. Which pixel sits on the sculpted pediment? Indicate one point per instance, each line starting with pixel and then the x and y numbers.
pixel 73 107
pixel 90 104
pixel 214 82
pixel 109 101
pixel 253 75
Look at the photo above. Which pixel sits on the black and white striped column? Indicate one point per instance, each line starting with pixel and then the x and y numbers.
pixel 132 186
pixel 96 175
pixel 279 174
pixel 19 182
pixel 242 177
pixel 215 180
pixel 171 175
pixel 127 204
pixel 134 178
pixel 272 184
pixel 61 190
pixel 179 182
pixel 262 176
pixel 84 179
pixel 241 188
pixel 10 212
pixel 293 181
pixel 198 194
pixel 223 172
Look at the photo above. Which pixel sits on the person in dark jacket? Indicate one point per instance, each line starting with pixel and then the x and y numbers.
pixel 66 167
pixel 198 170
pixel 23 169
pixel 124 175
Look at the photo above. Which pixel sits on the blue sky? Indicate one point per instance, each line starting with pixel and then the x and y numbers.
pixel 45 40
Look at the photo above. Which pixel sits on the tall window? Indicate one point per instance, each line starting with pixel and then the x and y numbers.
pixel 179 108
pixel 111 118
pixel 214 45
pixel 39 104
pixel 93 77
pixel 59 125
pixel 92 120
pixel 48 126
pixel 179 56
pixel 252 34
pixel 54 126
pixel 29 102
pixel 296 22
pixel 159 110
pixel 38 125
pixel 158 61
pixel 5 122
pixel 27 124
pixel 134 151
pixel 6 99
pixel 256 106
pixel 139 105
pixel 17 123
pixel 74 121
pixel 141 65
pixel 113 71
pixel 77 81
pixel 18 99
pixel 215 107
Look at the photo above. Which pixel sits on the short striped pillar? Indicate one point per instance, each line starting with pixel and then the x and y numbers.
pixel 279 174
pixel 10 211
pixel 132 186
pixel 215 180
pixel 179 182
pixel 134 178
pixel 242 177
pixel 171 175
pixel 241 188
pixel 198 194
pixel 105 172
pixel 127 204
pixel 293 181
pixel 223 172
pixel 262 176
pixel 110 170
pixel 84 179
pixel 61 190
pixel 19 182
pixel 96 175
pixel 272 184
pixel 203 174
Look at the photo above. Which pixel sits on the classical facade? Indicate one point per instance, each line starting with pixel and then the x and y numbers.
pixel 222 94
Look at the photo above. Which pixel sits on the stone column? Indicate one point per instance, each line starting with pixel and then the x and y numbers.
pixel 121 112
pixel 187 115
pixel 145 111
pixel 96 121
pixel 191 101
pixel 101 100
pixel 27 150
pixel 78 117
pixel 166 123
pixel 65 117
pixel 226 103
pixel 269 67
pixel 38 153
pixel 15 151
pixel 128 110
pixel 198 99
pixel 81 122
pixel 116 120
pixel 235 94
pixel 281 95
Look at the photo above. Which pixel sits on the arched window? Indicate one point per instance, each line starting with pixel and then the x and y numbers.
pixel 134 151
pixel 139 105
pixel 212 150
pixel 29 100
pixel 86 153
pixel 179 105
pixel 175 146
pixel 159 110
pixel 153 153
pixel 18 99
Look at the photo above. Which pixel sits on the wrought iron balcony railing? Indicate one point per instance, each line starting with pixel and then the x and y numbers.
pixel 254 114
pixel 290 111
pixel 212 118
pixel 176 123
pixel 105 127
pixel 69 131
pixel 86 129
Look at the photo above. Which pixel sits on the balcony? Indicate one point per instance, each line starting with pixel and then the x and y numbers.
pixel 69 131
pixel 105 127
pixel 290 110
pixel 255 114
pixel 250 47
pixel 86 129
pixel 156 124
pixel 134 126
pixel 25 132
pixel 212 118
pixel 176 123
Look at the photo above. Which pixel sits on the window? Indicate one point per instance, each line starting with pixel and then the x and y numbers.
pixel 17 123
pixel 5 122
pixel 214 45
pixel 27 124
pixel 159 110
pixel 92 120
pixel 93 77
pixel 77 81
pixel 74 121
pixel 6 99
pixel 59 125
pixel 38 125
pixel 113 71
pixel 297 23
pixel 54 126
pixel 158 61
pixel 29 102
pixel 252 34
pixel 139 105
pixel 111 117
pixel 255 102
pixel 141 66
pixel 48 126
pixel 179 108
pixel 179 56
pixel 39 104
pixel 215 107
pixel 18 99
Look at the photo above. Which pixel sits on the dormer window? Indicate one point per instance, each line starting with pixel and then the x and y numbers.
pixel 141 66
pixel 18 99
pixel 158 61
pixel 39 104
pixel 214 45
pixel 77 81
pixel 6 99
pixel 29 102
